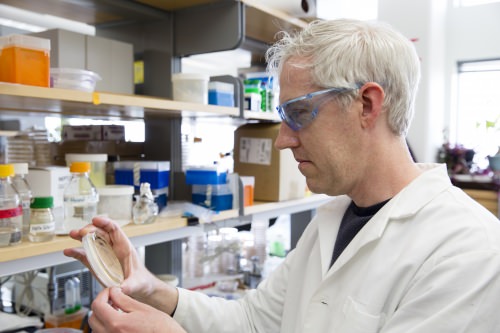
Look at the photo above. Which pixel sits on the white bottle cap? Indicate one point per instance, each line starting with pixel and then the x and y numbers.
pixel 103 260
pixel 20 168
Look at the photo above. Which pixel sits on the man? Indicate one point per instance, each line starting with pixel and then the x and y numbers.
pixel 397 250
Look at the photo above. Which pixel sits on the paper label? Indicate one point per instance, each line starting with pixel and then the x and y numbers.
pixel 256 150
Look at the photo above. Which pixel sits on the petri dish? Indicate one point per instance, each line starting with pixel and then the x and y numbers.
pixel 103 260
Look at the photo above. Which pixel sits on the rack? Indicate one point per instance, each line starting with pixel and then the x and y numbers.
pixel 31 256
pixel 247 22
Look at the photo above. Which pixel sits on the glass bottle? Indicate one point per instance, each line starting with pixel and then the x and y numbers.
pixel 80 197
pixel 42 224
pixel 145 208
pixel 22 186
pixel 11 211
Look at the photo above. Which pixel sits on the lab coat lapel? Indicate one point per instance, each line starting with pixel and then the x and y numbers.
pixel 372 231
pixel 411 199
pixel 329 217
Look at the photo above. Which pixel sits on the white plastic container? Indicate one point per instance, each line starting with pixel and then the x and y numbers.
pixel 97 166
pixel 115 201
pixel 190 87
pixel 73 78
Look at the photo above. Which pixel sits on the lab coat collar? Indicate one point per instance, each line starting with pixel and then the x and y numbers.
pixel 405 204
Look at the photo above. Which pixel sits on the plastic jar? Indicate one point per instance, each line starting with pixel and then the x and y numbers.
pixel 190 87
pixel 42 224
pixel 97 166
pixel 115 201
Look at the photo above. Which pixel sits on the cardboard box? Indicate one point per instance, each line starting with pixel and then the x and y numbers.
pixel 113 60
pixel 277 176
pixel 49 181
pixel 93 133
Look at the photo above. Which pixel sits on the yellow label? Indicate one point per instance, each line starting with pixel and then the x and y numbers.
pixel 138 72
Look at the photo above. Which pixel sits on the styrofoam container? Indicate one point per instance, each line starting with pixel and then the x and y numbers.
pixel 205 175
pixel 156 173
pixel 221 93
pixel 190 87
pixel 215 197
pixel 73 78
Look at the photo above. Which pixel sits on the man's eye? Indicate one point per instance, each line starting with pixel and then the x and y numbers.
pixel 298 112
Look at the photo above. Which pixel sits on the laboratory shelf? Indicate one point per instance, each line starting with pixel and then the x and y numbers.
pixel 15 98
pixel 29 256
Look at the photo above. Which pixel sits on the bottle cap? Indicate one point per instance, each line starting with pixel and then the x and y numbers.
pixel 20 168
pixel 79 167
pixel 42 202
pixel 102 260
pixel 6 170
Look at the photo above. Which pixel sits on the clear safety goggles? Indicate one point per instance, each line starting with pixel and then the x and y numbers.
pixel 301 111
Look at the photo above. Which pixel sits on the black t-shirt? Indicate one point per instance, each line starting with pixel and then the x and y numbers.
pixel 353 221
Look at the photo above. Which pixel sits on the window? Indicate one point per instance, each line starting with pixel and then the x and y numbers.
pixel 478 112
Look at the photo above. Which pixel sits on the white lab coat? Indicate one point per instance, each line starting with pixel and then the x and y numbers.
pixel 427 262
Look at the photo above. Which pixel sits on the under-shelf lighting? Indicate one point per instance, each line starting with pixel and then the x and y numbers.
pixel 35 22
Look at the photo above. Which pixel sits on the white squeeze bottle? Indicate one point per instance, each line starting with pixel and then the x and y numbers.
pixel 26 195
pixel 80 197
pixel 11 210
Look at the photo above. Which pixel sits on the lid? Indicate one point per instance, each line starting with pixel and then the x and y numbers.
pixel 25 41
pixel 115 190
pixel 102 260
pixel 79 167
pixel 6 170
pixel 20 168
pixel 42 202
pixel 75 71
pixel 86 157
pixel 190 76
pixel 143 165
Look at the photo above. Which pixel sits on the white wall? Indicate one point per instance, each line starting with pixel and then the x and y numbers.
pixel 446 35
pixel 424 20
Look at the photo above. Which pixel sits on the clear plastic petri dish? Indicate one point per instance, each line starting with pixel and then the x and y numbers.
pixel 103 260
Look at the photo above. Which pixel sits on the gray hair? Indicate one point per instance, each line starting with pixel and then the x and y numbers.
pixel 345 52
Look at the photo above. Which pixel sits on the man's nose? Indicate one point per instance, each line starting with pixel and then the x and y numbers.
pixel 287 138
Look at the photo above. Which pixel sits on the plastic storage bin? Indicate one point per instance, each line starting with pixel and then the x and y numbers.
pixel 97 166
pixel 156 173
pixel 190 87
pixel 73 78
pixel 215 197
pixel 25 60
pixel 205 176
pixel 221 93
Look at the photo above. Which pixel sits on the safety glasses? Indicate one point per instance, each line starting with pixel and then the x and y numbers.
pixel 301 111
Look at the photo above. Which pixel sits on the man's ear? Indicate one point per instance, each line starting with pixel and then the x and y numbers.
pixel 372 98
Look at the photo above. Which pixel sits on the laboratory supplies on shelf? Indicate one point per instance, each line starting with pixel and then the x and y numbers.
pixel 145 209
pixel 11 211
pixel 80 197
pixel 42 225
pixel 23 188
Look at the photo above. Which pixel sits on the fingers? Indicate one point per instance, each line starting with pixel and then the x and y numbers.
pixel 78 234
pixel 122 301
pixel 102 312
